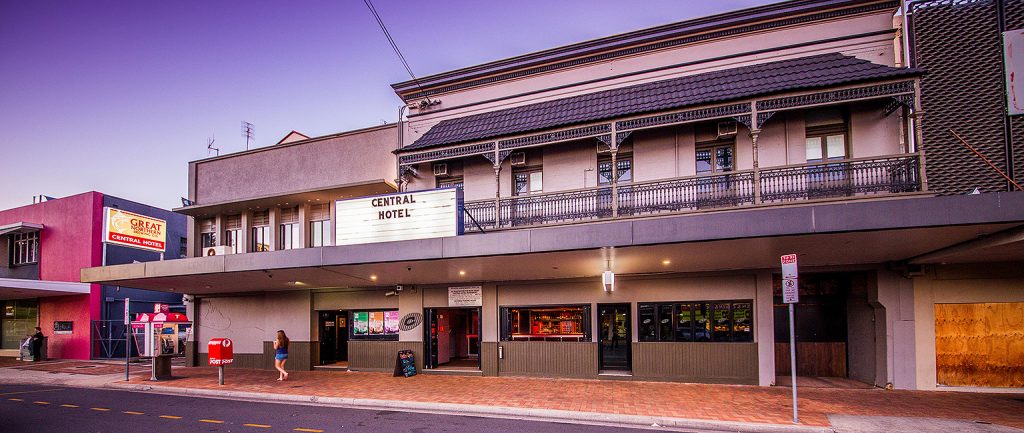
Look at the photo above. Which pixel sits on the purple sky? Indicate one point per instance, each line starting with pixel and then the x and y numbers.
pixel 117 96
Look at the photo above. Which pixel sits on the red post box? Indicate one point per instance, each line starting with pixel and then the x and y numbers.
pixel 221 352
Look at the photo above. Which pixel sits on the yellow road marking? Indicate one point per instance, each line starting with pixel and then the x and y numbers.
pixel 16 399
pixel 29 392
pixel 308 430
pixel 257 425
pixel 170 416
pixel 212 421
pixel 68 405
pixel 101 409
pixel 41 402
pixel 128 412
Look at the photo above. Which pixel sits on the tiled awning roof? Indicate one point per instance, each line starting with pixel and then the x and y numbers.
pixel 819 71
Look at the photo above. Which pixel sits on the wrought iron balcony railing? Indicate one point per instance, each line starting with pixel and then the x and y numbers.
pixel 801 182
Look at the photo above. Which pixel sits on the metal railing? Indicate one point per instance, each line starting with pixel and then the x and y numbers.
pixel 828 179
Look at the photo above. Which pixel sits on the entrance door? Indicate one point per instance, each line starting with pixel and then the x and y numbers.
pixel 452 338
pixel 615 337
pixel 328 339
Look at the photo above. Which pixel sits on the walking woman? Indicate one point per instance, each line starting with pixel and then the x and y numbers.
pixel 281 354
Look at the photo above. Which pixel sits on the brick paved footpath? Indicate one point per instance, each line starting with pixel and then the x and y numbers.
pixel 677 400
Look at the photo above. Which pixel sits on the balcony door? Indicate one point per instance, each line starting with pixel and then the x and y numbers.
pixel 715 159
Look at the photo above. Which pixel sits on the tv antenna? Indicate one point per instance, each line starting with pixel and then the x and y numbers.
pixel 210 148
pixel 248 132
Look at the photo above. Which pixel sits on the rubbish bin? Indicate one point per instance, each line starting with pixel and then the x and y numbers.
pixel 162 367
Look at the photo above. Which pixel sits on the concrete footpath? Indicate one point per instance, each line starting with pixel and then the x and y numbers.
pixel 636 404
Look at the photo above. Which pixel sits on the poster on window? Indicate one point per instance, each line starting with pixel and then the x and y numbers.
pixel 391 322
pixel 376 323
pixel 360 321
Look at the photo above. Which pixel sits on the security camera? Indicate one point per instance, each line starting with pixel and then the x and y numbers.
pixel 399 288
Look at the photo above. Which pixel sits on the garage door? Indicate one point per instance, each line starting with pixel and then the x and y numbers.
pixel 980 344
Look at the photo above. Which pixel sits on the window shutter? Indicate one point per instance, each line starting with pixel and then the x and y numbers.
pixel 289 216
pixel 207 226
pixel 320 212
pixel 233 222
pixel 260 218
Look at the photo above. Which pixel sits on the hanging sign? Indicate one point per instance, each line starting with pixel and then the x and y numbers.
pixel 790 287
pixel 399 217
pixel 467 296
pixel 133 230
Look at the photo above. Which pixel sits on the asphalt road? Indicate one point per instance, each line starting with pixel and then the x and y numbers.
pixel 47 409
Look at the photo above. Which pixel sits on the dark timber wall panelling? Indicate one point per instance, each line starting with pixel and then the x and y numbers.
pixel 298 357
pixel 489 358
pixel 545 358
pixel 696 362
pixel 380 355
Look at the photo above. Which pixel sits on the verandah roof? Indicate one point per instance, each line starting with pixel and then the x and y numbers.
pixel 811 72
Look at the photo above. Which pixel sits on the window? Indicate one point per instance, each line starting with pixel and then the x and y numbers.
pixel 319 228
pixel 715 158
pixel 183 248
pixel 25 248
pixel 451 182
pixel 289 231
pixel 375 325
pixel 604 170
pixel 721 321
pixel 233 233
pixel 826 135
pixel 261 231
pixel 207 233
pixel 17 319
pixel 528 182
pixel 548 323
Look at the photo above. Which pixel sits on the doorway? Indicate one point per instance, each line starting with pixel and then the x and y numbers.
pixel 453 338
pixel 333 338
pixel 615 337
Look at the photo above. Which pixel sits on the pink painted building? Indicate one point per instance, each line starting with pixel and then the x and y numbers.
pixel 43 247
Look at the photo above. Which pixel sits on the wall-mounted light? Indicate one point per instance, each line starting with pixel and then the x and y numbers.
pixel 608 279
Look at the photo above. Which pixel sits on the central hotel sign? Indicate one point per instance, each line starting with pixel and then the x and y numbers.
pixel 399 217
pixel 133 230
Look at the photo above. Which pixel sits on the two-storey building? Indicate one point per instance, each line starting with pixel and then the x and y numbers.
pixel 623 204
pixel 43 248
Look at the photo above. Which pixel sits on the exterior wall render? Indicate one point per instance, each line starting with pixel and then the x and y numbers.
pixel 250 320
pixel 344 159
pixel 878 48
pixel 956 284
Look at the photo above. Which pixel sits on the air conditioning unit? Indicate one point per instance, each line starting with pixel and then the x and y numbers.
pixel 221 250
pixel 727 128
pixel 518 158
pixel 440 170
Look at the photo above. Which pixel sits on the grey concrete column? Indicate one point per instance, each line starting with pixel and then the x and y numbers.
pixel 275 228
pixel 246 231
pixel 304 225
pixel 764 328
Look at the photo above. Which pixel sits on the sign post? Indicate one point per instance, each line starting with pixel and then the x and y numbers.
pixel 791 295
pixel 127 338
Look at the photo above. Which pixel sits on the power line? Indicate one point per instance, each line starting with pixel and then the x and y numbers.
pixel 387 34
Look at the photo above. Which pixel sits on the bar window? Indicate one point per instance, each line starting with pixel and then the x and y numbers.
pixel 261 231
pixel 546 323
pixel 720 321
pixel 374 325
pixel 319 229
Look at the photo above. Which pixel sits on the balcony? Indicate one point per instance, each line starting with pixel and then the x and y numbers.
pixel 889 175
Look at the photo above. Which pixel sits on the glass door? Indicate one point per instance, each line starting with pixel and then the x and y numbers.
pixel 615 337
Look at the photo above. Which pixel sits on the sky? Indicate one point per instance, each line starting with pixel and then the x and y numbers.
pixel 118 96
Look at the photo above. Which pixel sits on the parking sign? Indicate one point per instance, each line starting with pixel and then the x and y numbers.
pixel 790 287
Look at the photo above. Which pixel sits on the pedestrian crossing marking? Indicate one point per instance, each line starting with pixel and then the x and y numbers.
pixel 170 417
pixel 257 425
pixel 212 421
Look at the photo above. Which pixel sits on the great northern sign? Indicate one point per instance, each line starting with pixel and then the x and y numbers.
pixel 133 230
pixel 399 217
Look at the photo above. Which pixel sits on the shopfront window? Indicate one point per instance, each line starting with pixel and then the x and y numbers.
pixel 374 325
pixel 18 321
pixel 547 323
pixel 696 321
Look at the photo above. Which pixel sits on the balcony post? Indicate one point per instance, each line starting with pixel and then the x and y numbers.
pixel 755 132
pixel 614 146
pixel 497 191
